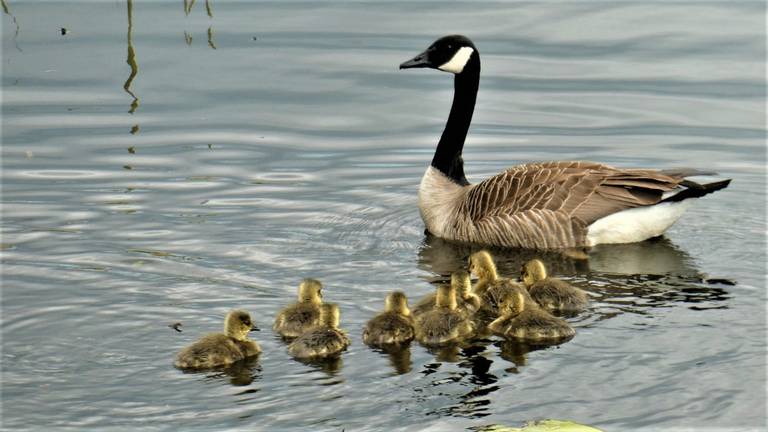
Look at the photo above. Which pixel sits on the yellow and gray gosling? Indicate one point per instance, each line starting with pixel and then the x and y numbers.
pixel 221 349
pixel 492 289
pixel 466 300
pixel 393 326
pixel 443 324
pixel 524 320
pixel 323 340
pixel 551 293
pixel 299 317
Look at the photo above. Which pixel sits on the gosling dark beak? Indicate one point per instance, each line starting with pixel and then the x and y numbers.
pixel 254 328
pixel 420 61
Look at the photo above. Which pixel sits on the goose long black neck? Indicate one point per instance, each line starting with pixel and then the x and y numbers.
pixel 447 157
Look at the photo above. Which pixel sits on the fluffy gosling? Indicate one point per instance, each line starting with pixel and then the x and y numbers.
pixel 221 349
pixel 466 300
pixel 443 324
pixel 524 320
pixel 295 319
pixel 491 288
pixel 393 326
pixel 323 340
pixel 551 293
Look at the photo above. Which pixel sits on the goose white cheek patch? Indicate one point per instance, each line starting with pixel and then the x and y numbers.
pixel 458 61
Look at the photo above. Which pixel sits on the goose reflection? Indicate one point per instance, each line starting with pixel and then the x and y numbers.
pixel 628 277
pixel 241 373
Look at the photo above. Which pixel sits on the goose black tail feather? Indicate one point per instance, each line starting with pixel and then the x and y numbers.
pixel 695 190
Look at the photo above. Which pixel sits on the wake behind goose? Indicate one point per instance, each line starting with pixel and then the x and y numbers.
pixel 547 205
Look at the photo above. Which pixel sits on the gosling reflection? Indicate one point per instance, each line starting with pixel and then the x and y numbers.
pixel 473 375
pixel 399 357
pixel 447 353
pixel 516 352
pixel 240 374
pixel 328 365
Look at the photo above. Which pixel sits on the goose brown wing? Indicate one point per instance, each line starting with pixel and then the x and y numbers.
pixel 550 204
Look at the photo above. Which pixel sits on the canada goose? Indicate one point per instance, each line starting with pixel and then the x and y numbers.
pixel 393 326
pixel 543 205
pixel 297 318
pixel 467 301
pixel 323 340
pixel 443 324
pixel 221 349
pixel 523 319
pixel 551 293
pixel 490 287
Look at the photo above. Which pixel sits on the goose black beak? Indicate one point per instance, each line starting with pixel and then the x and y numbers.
pixel 254 328
pixel 420 61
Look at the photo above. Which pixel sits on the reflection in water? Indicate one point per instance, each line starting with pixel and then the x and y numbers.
pixel 132 63
pixel 399 357
pixel 619 278
pixel 516 352
pixel 240 373
pixel 443 257
pixel 627 277
pixel 474 372
pixel 330 365
pixel 188 5
pixel 7 11
pixel 210 38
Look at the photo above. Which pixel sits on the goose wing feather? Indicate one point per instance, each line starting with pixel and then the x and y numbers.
pixel 550 203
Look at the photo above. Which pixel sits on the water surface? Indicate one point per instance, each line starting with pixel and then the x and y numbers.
pixel 166 162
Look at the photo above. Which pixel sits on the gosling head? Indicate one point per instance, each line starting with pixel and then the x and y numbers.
pixel 329 315
pixel 461 283
pixel 310 291
pixel 481 263
pixel 397 302
pixel 446 297
pixel 238 324
pixel 532 272
pixel 455 54
pixel 512 304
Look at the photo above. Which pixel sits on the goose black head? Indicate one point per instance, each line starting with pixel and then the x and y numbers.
pixel 449 54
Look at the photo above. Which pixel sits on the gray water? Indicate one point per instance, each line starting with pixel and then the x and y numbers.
pixel 206 158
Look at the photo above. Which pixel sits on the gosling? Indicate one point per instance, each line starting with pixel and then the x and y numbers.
pixel 443 324
pixel 551 293
pixel 323 340
pixel 524 320
pixel 393 326
pixel 221 349
pixel 467 301
pixel 299 317
pixel 491 288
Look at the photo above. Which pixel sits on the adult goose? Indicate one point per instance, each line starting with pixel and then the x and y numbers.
pixel 545 205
